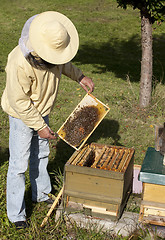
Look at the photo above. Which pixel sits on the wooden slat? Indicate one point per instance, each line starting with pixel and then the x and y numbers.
pixel 131 153
pixel 108 158
pixel 153 204
pixel 80 155
pixel 121 152
pixel 155 221
pixel 152 215
pixel 149 210
pixel 52 207
pixel 141 213
pixel 94 172
pixel 108 205
pixel 81 163
pixel 98 158
pixel 110 165
pixel 93 197
pixel 100 210
pixel 124 159
pixel 104 157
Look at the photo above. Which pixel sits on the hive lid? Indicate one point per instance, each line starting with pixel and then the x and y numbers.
pixel 153 170
pixel 83 121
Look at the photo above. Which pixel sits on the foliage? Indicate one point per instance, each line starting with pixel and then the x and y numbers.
pixel 155 8
pixel 150 11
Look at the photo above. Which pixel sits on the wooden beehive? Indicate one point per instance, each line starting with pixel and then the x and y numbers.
pixel 152 175
pixel 99 178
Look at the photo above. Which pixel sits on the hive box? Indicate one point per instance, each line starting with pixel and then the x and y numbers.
pixel 152 175
pixel 99 179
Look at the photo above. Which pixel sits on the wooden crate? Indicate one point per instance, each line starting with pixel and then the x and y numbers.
pixel 152 175
pixel 100 178
pixel 152 208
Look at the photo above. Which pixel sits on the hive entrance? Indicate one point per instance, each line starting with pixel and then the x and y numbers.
pixel 105 157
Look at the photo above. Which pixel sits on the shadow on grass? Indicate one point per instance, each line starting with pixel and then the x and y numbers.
pixel 2 68
pixel 4 155
pixel 62 155
pixel 108 128
pixel 122 57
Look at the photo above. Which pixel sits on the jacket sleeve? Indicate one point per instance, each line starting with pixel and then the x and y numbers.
pixel 71 71
pixel 18 94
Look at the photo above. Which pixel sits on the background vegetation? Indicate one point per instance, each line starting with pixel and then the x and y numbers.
pixel 109 53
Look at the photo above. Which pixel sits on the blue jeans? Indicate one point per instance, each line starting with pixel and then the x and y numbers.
pixel 25 146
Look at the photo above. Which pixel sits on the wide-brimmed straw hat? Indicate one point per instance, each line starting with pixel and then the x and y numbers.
pixel 54 37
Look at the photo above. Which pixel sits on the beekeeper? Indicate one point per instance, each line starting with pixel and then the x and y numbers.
pixel 49 41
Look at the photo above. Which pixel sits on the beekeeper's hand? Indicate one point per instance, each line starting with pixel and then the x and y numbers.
pixel 86 83
pixel 47 133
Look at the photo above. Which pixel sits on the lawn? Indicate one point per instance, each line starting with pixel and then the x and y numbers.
pixel 109 53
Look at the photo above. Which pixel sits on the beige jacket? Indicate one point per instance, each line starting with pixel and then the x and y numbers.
pixel 30 93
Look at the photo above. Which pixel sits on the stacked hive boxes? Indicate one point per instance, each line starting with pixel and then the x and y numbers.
pixel 152 175
pixel 99 178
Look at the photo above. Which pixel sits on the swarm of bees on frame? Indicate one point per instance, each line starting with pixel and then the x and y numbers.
pixel 83 122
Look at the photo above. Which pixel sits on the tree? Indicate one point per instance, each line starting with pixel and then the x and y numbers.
pixel 150 11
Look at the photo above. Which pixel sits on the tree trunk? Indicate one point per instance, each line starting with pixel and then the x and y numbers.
pixel 146 63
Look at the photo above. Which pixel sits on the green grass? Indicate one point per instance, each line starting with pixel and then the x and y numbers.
pixel 110 54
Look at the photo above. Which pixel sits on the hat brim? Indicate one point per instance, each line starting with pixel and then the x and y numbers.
pixel 42 49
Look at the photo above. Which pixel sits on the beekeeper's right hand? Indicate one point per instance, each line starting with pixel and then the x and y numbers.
pixel 47 133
